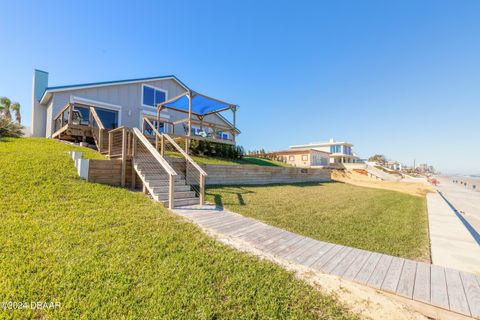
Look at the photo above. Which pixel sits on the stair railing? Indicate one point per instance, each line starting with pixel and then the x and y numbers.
pixel 143 151
pixel 98 129
pixel 194 175
pixel 119 146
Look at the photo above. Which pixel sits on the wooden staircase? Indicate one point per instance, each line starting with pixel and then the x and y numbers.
pixel 157 173
pixel 157 184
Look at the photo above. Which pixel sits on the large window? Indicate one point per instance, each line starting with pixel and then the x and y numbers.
pixel 152 97
pixel 335 149
pixel 109 118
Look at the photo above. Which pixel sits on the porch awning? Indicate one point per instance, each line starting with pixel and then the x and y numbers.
pixel 201 104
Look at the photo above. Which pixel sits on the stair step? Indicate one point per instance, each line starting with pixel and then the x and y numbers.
pixel 178 195
pixel 161 189
pixel 163 181
pixel 182 202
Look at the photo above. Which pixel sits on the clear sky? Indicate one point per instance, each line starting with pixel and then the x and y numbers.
pixel 400 78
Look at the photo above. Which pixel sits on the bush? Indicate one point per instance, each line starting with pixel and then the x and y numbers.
pixel 9 128
pixel 214 149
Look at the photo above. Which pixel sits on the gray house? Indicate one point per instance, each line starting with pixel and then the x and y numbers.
pixel 125 103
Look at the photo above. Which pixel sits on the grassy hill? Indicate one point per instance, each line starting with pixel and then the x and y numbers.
pixel 105 252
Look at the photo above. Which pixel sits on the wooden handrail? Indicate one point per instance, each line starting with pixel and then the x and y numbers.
pixel 68 105
pixel 97 118
pixel 154 152
pixel 118 129
pixel 189 159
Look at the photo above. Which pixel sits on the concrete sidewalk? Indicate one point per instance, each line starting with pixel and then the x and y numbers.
pixel 463 199
pixel 452 245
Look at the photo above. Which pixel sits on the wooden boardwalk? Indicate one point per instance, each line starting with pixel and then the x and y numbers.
pixel 448 289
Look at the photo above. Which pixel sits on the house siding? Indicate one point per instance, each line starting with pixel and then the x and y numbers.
pixel 129 97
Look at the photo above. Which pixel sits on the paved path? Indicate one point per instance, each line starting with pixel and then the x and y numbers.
pixel 465 200
pixel 433 285
pixel 452 245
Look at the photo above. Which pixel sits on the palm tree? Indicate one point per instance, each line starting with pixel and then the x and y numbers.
pixel 16 107
pixel 6 105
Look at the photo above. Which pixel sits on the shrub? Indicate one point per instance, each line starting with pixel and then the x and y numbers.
pixel 220 150
pixel 9 128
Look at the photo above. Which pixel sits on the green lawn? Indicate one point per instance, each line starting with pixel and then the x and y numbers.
pixel 379 220
pixel 105 252
pixel 244 160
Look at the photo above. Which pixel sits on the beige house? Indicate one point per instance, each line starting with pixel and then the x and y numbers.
pixel 339 151
pixel 303 158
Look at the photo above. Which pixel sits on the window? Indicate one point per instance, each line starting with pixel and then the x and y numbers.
pixel 304 157
pixel 149 131
pixel 335 149
pixel 109 118
pixel 291 158
pixel 152 97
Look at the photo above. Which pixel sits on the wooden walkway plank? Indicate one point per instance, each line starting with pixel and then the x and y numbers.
pixel 324 259
pixel 254 230
pixel 407 279
pixel 311 242
pixel 367 269
pixel 236 226
pixel 286 245
pixel 443 288
pixel 262 232
pixel 305 256
pixel 319 251
pixel 472 291
pixel 268 236
pixel 282 238
pixel 243 230
pixel 294 247
pixel 421 290
pixel 343 265
pixel 390 283
pixel 357 265
pixel 332 263
pixel 380 271
pixel 216 223
pixel 438 293
pixel 456 294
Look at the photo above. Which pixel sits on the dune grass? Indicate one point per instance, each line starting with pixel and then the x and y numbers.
pixel 105 252
pixel 379 220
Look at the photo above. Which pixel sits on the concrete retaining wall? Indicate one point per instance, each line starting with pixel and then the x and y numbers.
pixel 251 174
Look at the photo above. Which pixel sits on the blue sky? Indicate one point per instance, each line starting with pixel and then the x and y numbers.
pixel 400 78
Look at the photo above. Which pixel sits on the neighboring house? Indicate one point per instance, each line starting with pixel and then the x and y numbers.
pixel 340 152
pixel 393 165
pixel 119 103
pixel 303 158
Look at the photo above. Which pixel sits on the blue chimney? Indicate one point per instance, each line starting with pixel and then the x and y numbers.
pixel 40 83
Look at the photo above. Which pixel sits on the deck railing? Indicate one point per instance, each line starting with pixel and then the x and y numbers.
pixel 193 174
pixel 145 153
pixel 62 118
pixel 98 130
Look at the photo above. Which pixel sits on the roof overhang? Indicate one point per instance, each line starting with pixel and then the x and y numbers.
pixel 50 90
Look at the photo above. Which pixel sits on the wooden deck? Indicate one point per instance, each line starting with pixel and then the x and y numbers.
pixel 428 285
